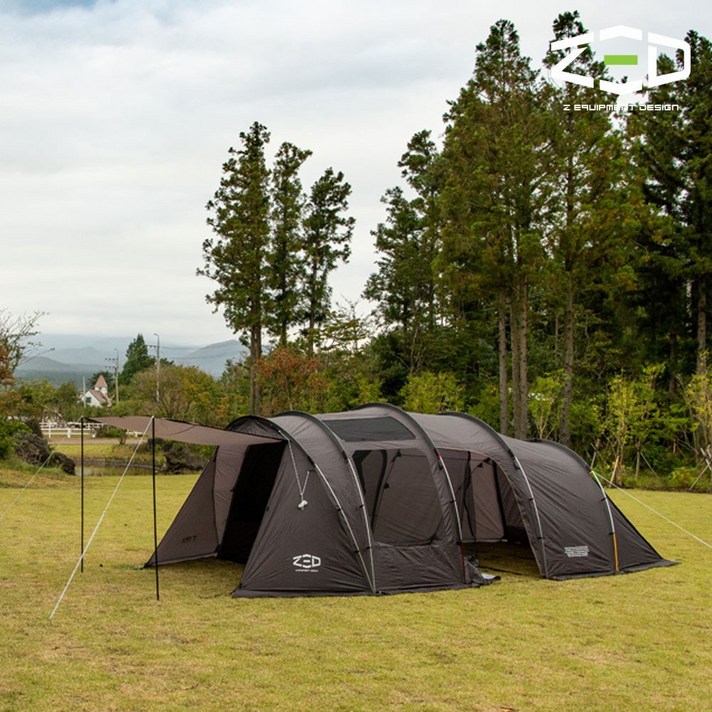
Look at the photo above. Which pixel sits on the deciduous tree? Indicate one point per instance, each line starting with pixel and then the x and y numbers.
pixel 16 334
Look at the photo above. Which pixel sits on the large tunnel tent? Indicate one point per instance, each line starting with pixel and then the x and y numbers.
pixel 377 500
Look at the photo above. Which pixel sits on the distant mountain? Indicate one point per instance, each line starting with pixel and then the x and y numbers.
pixel 212 358
pixel 56 372
pixel 67 358
pixel 87 355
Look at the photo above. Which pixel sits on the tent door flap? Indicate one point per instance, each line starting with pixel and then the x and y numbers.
pixel 249 500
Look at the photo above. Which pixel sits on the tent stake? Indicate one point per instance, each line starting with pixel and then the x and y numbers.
pixel 155 521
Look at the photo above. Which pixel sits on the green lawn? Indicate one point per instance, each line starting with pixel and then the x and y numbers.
pixel 633 642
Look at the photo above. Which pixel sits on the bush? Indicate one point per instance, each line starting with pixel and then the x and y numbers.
pixel 180 457
pixel 8 430
pixel 686 478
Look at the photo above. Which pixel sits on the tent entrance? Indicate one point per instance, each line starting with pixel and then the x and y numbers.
pixel 249 500
pixel 488 509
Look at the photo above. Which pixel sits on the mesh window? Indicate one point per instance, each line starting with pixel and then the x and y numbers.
pixel 401 499
pixel 358 429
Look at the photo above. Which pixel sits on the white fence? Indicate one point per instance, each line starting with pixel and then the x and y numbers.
pixel 68 430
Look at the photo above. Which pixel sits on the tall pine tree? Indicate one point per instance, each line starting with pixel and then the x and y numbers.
pixel 327 237
pixel 674 148
pixel 235 257
pixel 405 285
pixel 285 258
pixel 590 204
pixel 493 199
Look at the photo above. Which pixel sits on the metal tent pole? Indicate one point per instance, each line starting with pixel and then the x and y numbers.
pixel 81 479
pixel 155 520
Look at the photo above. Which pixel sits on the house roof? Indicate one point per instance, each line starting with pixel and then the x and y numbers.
pixel 99 396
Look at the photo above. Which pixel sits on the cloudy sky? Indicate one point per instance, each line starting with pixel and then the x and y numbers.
pixel 116 115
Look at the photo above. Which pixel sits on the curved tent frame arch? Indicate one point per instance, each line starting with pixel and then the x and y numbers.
pixel 445 493
pixel 580 461
pixel 539 550
pixel 371 579
pixel 439 461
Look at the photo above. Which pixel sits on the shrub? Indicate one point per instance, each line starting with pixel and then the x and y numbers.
pixel 8 430
pixel 687 478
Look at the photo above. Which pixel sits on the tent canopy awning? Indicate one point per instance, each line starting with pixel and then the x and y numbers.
pixel 185 432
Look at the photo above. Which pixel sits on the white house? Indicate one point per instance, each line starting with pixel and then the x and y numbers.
pixel 99 395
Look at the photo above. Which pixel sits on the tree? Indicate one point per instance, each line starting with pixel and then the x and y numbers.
pixel 698 397
pixel 493 199
pixel 236 257
pixel 291 381
pixel 632 414
pixel 345 331
pixel 397 285
pixel 327 234
pixel 405 285
pixel 421 166
pixel 674 148
pixel 187 393
pixel 285 259
pixel 544 404
pixel 36 399
pixel 429 392
pixel 137 360
pixel 16 333
pixel 590 199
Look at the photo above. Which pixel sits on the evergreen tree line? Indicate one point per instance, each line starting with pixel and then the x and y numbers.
pixel 274 246
pixel 546 253
pixel 544 268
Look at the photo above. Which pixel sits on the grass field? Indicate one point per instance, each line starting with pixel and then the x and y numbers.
pixel 633 642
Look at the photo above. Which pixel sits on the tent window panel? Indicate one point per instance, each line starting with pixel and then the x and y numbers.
pixel 367 429
pixel 487 503
pixel 402 502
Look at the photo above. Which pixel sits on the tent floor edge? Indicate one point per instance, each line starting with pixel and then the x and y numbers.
pixel 663 563
pixel 244 593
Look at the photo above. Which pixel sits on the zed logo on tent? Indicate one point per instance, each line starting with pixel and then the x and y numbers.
pixel 577 45
pixel 306 563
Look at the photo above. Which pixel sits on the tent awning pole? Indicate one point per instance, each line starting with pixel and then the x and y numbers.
pixel 155 518
pixel 81 487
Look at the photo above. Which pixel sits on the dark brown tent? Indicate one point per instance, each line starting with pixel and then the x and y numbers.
pixel 377 500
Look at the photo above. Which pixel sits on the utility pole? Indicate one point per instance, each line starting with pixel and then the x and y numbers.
pixel 115 361
pixel 158 368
